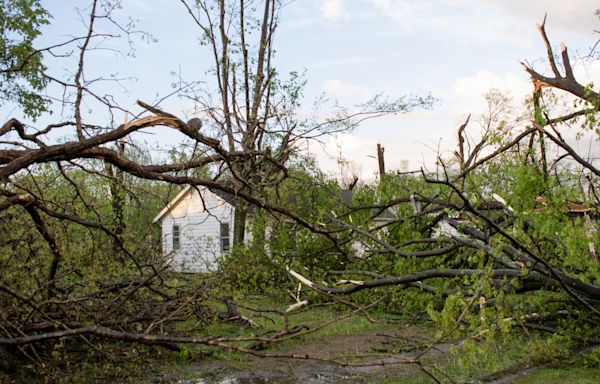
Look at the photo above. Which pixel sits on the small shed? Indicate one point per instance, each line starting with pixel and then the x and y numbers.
pixel 196 229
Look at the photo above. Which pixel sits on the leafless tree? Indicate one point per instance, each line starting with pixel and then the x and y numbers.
pixel 257 107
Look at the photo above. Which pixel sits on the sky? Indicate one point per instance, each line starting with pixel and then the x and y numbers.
pixel 351 50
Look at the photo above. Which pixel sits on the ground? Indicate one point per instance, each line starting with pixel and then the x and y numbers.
pixel 346 335
pixel 376 342
pixel 356 336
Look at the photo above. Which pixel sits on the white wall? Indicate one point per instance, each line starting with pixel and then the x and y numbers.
pixel 199 216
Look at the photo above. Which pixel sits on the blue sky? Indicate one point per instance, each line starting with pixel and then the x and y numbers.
pixel 353 49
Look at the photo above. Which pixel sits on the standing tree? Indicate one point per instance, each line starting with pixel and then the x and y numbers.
pixel 257 110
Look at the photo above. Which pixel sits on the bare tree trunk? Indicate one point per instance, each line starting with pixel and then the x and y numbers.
pixel 539 120
pixel 117 193
pixel 543 155
pixel 380 159
pixel 239 222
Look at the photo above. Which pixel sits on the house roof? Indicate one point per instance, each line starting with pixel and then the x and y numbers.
pixel 379 214
pixel 570 206
pixel 227 197
pixel 172 203
pixel 578 208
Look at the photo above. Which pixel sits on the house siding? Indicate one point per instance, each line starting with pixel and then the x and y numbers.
pixel 199 215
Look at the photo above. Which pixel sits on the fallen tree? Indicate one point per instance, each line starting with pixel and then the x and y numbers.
pixel 458 239
pixel 479 259
pixel 81 261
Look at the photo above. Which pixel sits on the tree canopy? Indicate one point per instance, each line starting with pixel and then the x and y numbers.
pixel 21 64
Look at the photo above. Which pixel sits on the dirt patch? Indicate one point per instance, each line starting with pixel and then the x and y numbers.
pixel 386 345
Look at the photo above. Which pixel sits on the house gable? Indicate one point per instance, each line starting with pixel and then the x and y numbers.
pixel 196 228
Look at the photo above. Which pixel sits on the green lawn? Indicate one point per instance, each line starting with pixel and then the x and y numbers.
pixel 562 376
pixel 469 361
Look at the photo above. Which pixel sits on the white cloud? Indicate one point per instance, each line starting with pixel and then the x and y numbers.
pixel 410 14
pixel 466 94
pixel 345 91
pixel 571 15
pixel 506 21
pixel 398 10
pixel 458 22
pixel 345 61
pixel 333 10
pixel 586 73
pixel 418 137
pixel 344 154
pixel 317 13
pixel 410 143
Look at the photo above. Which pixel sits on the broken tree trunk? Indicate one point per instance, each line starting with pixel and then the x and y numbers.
pixel 380 160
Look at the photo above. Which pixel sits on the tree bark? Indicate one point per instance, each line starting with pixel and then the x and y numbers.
pixel 239 221
pixel 381 161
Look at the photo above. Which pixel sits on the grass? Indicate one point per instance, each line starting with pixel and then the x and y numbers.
pixel 562 376
pixel 343 323
pixel 273 319
pixel 473 360
pixel 509 358
pixel 311 317
pixel 567 375
pixel 269 320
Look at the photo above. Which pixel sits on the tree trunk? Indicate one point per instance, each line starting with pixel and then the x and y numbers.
pixel 381 161
pixel 239 222
pixel 117 191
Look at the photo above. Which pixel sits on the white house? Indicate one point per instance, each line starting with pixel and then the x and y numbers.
pixel 196 229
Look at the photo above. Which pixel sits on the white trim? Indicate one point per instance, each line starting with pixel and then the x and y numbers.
pixel 172 203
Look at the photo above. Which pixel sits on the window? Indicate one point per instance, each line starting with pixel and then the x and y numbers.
pixel 224 237
pixel 176 236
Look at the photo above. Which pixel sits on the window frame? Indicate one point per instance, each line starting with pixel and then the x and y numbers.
pixel 176 237
pixel 225 242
